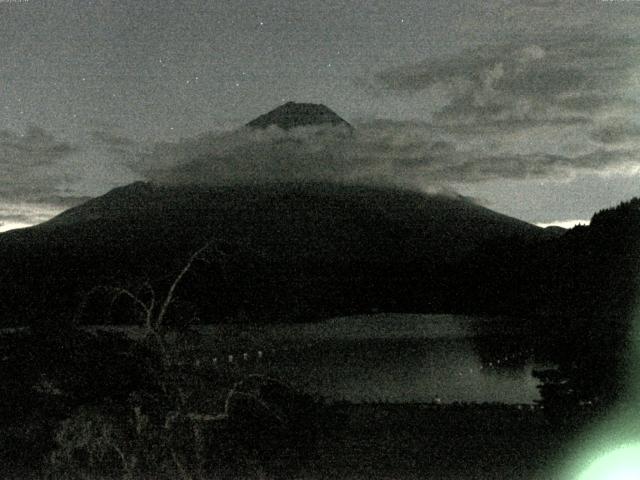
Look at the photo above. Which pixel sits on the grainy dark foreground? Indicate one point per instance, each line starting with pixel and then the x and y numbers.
pixel 410 441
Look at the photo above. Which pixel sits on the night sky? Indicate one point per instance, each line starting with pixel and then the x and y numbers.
pixel 531 108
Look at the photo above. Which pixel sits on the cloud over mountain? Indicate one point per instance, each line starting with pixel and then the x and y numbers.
pixel 412 154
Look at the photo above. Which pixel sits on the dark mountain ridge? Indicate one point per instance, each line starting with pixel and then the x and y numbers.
pixel 292 251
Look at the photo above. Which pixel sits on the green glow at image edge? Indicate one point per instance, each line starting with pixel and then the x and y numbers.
pixel 620 464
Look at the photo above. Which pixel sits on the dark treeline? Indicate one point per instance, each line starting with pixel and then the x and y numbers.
pixel 589 272
pixel 580 292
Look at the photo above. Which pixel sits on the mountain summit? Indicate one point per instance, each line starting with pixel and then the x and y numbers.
pixel 292 115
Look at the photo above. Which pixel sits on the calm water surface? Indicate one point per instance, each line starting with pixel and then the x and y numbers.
pixel 395 358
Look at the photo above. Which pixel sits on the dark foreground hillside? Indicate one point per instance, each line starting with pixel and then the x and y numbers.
pixel 412 442
pixel 439 442
pixel 94 405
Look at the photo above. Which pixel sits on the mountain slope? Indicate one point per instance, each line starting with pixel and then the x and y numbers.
pixel 294 251
pixel 291 115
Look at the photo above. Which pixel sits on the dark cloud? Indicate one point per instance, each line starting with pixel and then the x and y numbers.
pixel 35 165
pixel 34 147
pixel 589 103
pixel 59 201
pixel 543 165
pixel 111 139
pixel 412 154
pixel 619 131
pixel 560 78
pixel 31 161
pixel 247 155
pixel 542 3
pixel 114 144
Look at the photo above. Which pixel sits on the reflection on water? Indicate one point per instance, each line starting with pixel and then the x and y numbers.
pixel 402 371
pixel 394 358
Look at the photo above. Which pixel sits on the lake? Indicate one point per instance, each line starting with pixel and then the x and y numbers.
pixel 387 357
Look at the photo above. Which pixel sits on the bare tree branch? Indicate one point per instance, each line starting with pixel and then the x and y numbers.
pixel 119 291
pixel 170 294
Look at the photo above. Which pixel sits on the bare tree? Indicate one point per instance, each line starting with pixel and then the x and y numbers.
pixel 180 416
pixel 94 433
